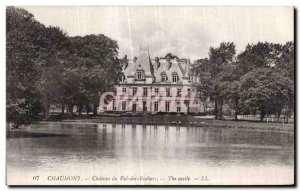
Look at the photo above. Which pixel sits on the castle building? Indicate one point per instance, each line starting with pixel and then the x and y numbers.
pixel 156 85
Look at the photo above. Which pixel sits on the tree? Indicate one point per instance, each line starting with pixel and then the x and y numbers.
pixel 22 75
pixel 46 67
pixel 257 55
pixel 54 51
pixel 170 55
pixel 265 90
pixel 99 67
pixel 231 87
pixel 214 74
pixel 285 65
pixel 202 68
pixel 277 61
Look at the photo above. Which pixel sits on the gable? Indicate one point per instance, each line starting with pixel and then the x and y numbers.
pixel 176 67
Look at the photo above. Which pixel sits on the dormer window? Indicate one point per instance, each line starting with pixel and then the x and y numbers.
pixel 163 77
pixel 190 77
pixel 175 77
pixel 122 78
pixel 140 75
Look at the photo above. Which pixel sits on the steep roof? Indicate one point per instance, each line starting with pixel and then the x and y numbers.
pixel 154 68
pixel 142 62
pixel 178 66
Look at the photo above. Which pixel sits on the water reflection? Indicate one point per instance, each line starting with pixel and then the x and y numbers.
pixel 105 144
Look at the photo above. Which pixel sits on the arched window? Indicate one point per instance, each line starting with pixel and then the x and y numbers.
pixel 175 77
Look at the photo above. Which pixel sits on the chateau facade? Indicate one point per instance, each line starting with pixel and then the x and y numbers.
pixel 156 85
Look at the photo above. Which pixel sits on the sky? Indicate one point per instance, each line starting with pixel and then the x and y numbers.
pixel 187 32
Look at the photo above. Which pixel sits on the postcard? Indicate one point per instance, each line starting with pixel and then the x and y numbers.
pixel 150 96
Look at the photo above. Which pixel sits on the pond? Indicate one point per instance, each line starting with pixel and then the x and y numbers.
pixel 90 153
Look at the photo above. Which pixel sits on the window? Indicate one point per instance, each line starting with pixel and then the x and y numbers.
pixel 134 90
pixel 145 91
pixel 144 106
pixel 167 106
pixel 134 107
pixel 188 91
pixel 163 77
pixel 168 92
pixel 178 107
pixel 114 106
pixel 175 77
pixel 156 91
pixel 122 78
pixel 124 90
pixel 187 103
pixel 123 106
pixel 178 92
pixel 155 106
pixel 140 75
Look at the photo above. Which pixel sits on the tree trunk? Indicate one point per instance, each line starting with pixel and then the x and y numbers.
pixel 46 111
pixel 262 114
pixel 235 115
pixel 205 107
pixel 278 115
pixel 63 109
pixel 80 107
pixel 70 109
pixel 216 109
pixel 96 102
pixel 95 106
pixel 87 110
pixel 221 109
pixel 236 109
pixel 286 117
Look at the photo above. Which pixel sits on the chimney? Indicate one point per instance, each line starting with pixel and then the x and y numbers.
pixel 169 64
pixel 157 63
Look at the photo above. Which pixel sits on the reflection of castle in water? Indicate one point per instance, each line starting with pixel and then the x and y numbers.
pixel 112 144
pixel 176 134
pixel 151 134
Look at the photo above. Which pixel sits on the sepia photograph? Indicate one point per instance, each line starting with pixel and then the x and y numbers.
pixel 150 95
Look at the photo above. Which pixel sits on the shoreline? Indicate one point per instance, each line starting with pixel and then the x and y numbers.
pixel 187 121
